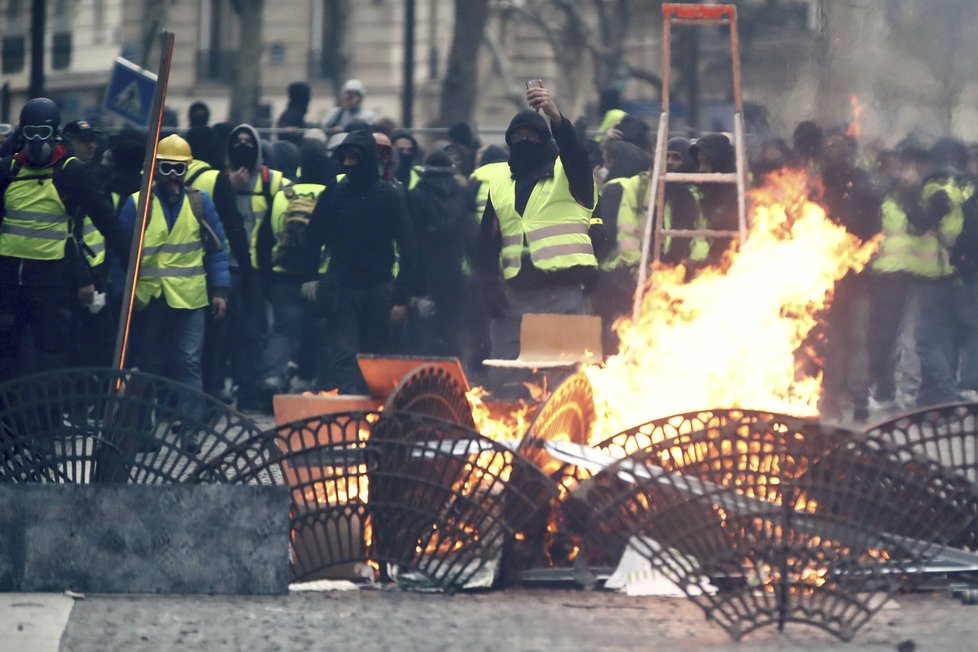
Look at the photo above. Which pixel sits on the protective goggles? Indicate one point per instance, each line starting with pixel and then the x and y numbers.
pixel 37 132
pixel 171 168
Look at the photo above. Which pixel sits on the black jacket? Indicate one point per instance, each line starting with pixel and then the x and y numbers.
pixel 443 214
pixel 81 196
pixel 360 220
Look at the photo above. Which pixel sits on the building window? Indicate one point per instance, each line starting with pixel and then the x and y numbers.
pixel 13 54
pixel 61 51
pixel 217 41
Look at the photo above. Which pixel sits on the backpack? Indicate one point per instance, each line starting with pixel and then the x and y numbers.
pixel 297 214
pixel 964 252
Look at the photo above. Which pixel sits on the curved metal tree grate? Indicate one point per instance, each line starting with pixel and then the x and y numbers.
pixel 770 521
pixel 428 498
pixel 947 434
pixel 431 390
pixel 102 425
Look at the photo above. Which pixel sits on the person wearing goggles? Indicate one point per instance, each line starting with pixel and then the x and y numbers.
pixel 183 272
pixel 44 275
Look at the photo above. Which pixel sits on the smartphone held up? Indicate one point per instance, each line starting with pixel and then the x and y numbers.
pixel 534 83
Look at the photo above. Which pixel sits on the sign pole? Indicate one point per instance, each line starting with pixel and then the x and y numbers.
pixel 142 209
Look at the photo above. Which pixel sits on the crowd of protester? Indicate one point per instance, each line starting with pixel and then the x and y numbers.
pixel 267 267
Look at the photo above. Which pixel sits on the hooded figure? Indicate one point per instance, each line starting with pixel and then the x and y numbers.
pixel 287 158
pixel 442 213
pixel 359 159
pixel 715 153
pixel 530 159
pixel 362 221
pixel 408 156
pixel 244 166
pixel 294 116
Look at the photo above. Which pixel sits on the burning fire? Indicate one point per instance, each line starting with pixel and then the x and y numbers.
pixel 855 127
pixel 728 337
pixel 506 426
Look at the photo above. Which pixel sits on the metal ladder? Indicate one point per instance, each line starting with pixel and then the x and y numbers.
pixel 699 15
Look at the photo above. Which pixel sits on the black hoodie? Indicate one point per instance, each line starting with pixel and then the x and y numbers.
pixel 444 225
pixel 359 220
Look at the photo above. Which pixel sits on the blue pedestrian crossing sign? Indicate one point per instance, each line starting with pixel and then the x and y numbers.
pixel 130 92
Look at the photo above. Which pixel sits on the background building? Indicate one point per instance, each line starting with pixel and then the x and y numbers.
pixel 905 60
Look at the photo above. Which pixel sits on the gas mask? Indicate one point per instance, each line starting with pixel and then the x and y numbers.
pixel 170 175
pixel 39 143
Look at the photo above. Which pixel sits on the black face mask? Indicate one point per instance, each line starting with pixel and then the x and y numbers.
pixel 243 156
pixel 526 157
pixel 404 164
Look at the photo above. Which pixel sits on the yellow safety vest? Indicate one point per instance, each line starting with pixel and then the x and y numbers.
pixel 202 177
pixel 553 228
pixel 484 174
pixel 933 248
pixel 276 181
pixel 173 260
pixel 36 224
pixel 899 249
pixel 280 211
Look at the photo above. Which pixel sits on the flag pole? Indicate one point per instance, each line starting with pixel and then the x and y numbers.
pixel 142 209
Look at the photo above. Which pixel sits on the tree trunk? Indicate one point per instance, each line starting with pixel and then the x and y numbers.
pixel 459 87
pixel 244 89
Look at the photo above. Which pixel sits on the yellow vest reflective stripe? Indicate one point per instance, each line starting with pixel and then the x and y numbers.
pixel 94 241
pixel 172 262
pixel 899 249
pixel 484 175
pixel 280 206
pixel 415 177
pixel 933 247
pixel 206 177
pixel 259 206
pixel 699 248
pixel 553 225
pixel 36 224
pixel 628 249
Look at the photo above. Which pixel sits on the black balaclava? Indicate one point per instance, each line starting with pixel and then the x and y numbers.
pixel 316 164
pixel 525 157
pixel 405 163
pixel 242 155
pixel 366 171
pixel 205 145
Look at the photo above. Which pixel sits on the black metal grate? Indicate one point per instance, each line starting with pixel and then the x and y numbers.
pixel 432 391
pixel 948 435
pixel 777 520
pixel 424 495
pixel 102 425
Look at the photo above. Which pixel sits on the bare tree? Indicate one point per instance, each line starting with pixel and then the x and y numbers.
pixel 461 83
pixel 244 88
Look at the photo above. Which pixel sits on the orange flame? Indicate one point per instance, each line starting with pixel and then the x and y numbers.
pixel 728 337
pixel 855 127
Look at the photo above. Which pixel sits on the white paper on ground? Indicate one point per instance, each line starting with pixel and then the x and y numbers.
pixel 636 576
pixel 33 621
pixel 324 585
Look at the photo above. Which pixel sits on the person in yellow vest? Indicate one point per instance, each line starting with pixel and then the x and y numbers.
pixel 893 275
pixel 93 326
pixel 43 273
pixel 534 232
pixel 207 173
pixel 280 260
pixel 947 302
pixel 409 158
pixel 490 161
pixel 255 184
pixel 183 273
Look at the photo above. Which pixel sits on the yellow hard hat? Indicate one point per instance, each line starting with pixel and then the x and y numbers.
pixel 174 148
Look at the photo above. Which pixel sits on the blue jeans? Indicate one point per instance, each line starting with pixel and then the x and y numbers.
pixel 947 339
pixel 290 313
pixel 170 341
